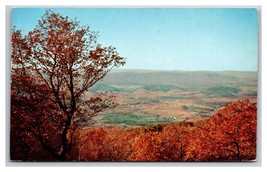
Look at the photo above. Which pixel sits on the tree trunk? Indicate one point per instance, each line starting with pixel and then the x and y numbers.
pixel 237 150
pixel 181 149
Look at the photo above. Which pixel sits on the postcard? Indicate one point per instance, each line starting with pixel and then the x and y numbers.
pixel 134 84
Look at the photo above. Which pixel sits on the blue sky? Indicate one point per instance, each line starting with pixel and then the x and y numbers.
pixel 168 38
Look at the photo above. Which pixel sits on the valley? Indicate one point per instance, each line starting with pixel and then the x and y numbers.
pixel 149 97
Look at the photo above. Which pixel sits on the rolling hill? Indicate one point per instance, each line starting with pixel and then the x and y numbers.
pixel 147 97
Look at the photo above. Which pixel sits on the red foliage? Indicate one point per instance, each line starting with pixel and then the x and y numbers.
pixel 52 67
pixel 229 135
pixel 166 145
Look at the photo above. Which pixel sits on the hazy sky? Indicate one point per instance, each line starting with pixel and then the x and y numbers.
pixel 168 39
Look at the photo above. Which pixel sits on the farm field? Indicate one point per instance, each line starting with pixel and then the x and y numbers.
pixel 149 97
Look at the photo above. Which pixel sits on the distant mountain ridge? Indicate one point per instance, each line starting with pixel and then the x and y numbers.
pixel 152 70
pixel 157 80
pixel 179 78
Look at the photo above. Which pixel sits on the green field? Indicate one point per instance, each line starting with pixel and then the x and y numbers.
pixel 198 109
pixel 132 119
pixel 225 91
pixel 131 88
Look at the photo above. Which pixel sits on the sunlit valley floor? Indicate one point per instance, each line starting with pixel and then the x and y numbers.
pixel 149 97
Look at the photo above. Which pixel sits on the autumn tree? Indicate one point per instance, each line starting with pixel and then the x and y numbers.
pixel 52 67
pixel 105 144
pixel 229 135
pixel 234 131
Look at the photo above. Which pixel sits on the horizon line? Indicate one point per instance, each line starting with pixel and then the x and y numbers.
pixel 172 70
